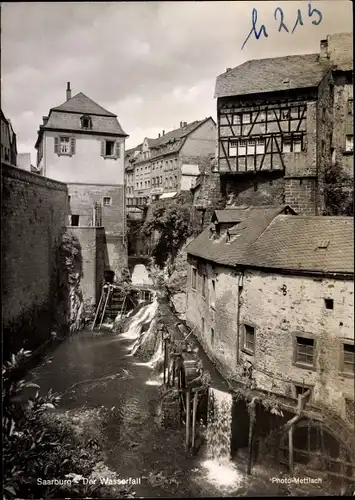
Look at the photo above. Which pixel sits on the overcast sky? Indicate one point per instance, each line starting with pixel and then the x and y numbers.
pixel 153 64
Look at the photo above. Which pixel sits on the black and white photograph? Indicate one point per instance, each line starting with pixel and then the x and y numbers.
pixel 177 249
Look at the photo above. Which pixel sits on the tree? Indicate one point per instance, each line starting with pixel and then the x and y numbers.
pixel 338 191
pixel 171 223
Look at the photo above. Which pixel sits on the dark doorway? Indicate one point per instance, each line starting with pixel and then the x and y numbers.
pixel 75 220
pixel 109 276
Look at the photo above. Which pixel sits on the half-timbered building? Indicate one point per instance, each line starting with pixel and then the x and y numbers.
pixel 268 115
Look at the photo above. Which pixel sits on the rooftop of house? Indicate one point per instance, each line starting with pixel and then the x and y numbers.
pixel 265 237
pixel 272 75
pixel 68 116
pixel 173 139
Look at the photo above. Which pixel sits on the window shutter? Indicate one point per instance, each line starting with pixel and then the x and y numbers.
pixel 118 149
pixel 56 145
pixel 72 145
pixel 102 148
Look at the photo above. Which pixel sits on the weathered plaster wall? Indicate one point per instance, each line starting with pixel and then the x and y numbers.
pixel 82 198
pixel 87 162
pixel 277 318
pixel 33 215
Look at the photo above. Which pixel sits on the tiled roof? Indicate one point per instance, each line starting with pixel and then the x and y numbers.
pixel 71 121
pixel 271 75
pixel 254 220
pixel 229 215
pixel 80 103
pixel 267 239
pixel 175 138
pixel 292 242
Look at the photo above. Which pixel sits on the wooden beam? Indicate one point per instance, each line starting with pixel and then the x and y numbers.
pixel 194 415
pixel 188 418
pixel 290 450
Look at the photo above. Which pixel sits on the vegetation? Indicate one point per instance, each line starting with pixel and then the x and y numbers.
pixel 38 447
pixel 338 191
pixel 171 223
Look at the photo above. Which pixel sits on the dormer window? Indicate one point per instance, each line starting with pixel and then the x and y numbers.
pixel 86 122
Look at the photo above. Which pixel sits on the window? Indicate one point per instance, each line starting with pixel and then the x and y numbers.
pixel 298 390
pixel 213 294
pixel 349 144
pixel 212 337
pixel 285 114
pixel 86 122
pixel 260 146
pixel 109 148
pixel 246 118
pixel 348 358
pixel 350 106
pixel 237 119
pixel 75 220
pixel 233 148
pixel 329 303
pixel 242 148
pixel 304 351
pixel 286 145
pixel 249 339
pixel 193 278
pixel 107 201
pixel 65 145
pixel 203 325
pixel 297 145
pixel 203 285
pixel 251 147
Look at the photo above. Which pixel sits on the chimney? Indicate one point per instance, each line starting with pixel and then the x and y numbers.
pixel 180 124
pixel 228 69
pixel 163 132
pixel 68 91
pixel 45 120
pixel 158 136
pixel 323 49
pixel 184 124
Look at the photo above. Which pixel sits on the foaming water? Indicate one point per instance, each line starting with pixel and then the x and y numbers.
pixel 158 355
pixel 144 315
pixel 223 473
pixel 219 424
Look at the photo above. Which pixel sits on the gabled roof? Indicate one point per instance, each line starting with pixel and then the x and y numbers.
pixel 229 215
pixel 80 103
pixel 267 238
pixel 322 244
pixel 254 219
pixel 271 75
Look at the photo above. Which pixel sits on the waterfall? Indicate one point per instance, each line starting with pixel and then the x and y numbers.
pixel 158 355
pixel 144 316
pixel 220 469
pixel 219 424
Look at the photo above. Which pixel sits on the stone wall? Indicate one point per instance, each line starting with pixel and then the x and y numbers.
pixel 278 307
pixel 94 261
pixel 34 213
pixel 82 198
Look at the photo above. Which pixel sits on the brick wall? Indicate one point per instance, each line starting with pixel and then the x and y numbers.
pixel 82 199
pixel 34 213
pixel 276 318
pixel 300 194
pixel 94 261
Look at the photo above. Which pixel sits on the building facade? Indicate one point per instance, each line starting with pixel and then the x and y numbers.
pixel 280 120
pixel 274 293
pixel 170 163
pixel 83 145
pixel 8 141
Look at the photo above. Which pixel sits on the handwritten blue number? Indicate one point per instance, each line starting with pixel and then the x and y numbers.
pixel 299 20
pixel 282 24
pixel 311 11
pixel 254 30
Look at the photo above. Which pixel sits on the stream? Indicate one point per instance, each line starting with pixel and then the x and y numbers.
pixel 99 370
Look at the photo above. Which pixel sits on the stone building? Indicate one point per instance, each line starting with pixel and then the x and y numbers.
pixel 280 121
pixel 83 145
pixel 171 163
pixel 274 292
pixel 8 141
